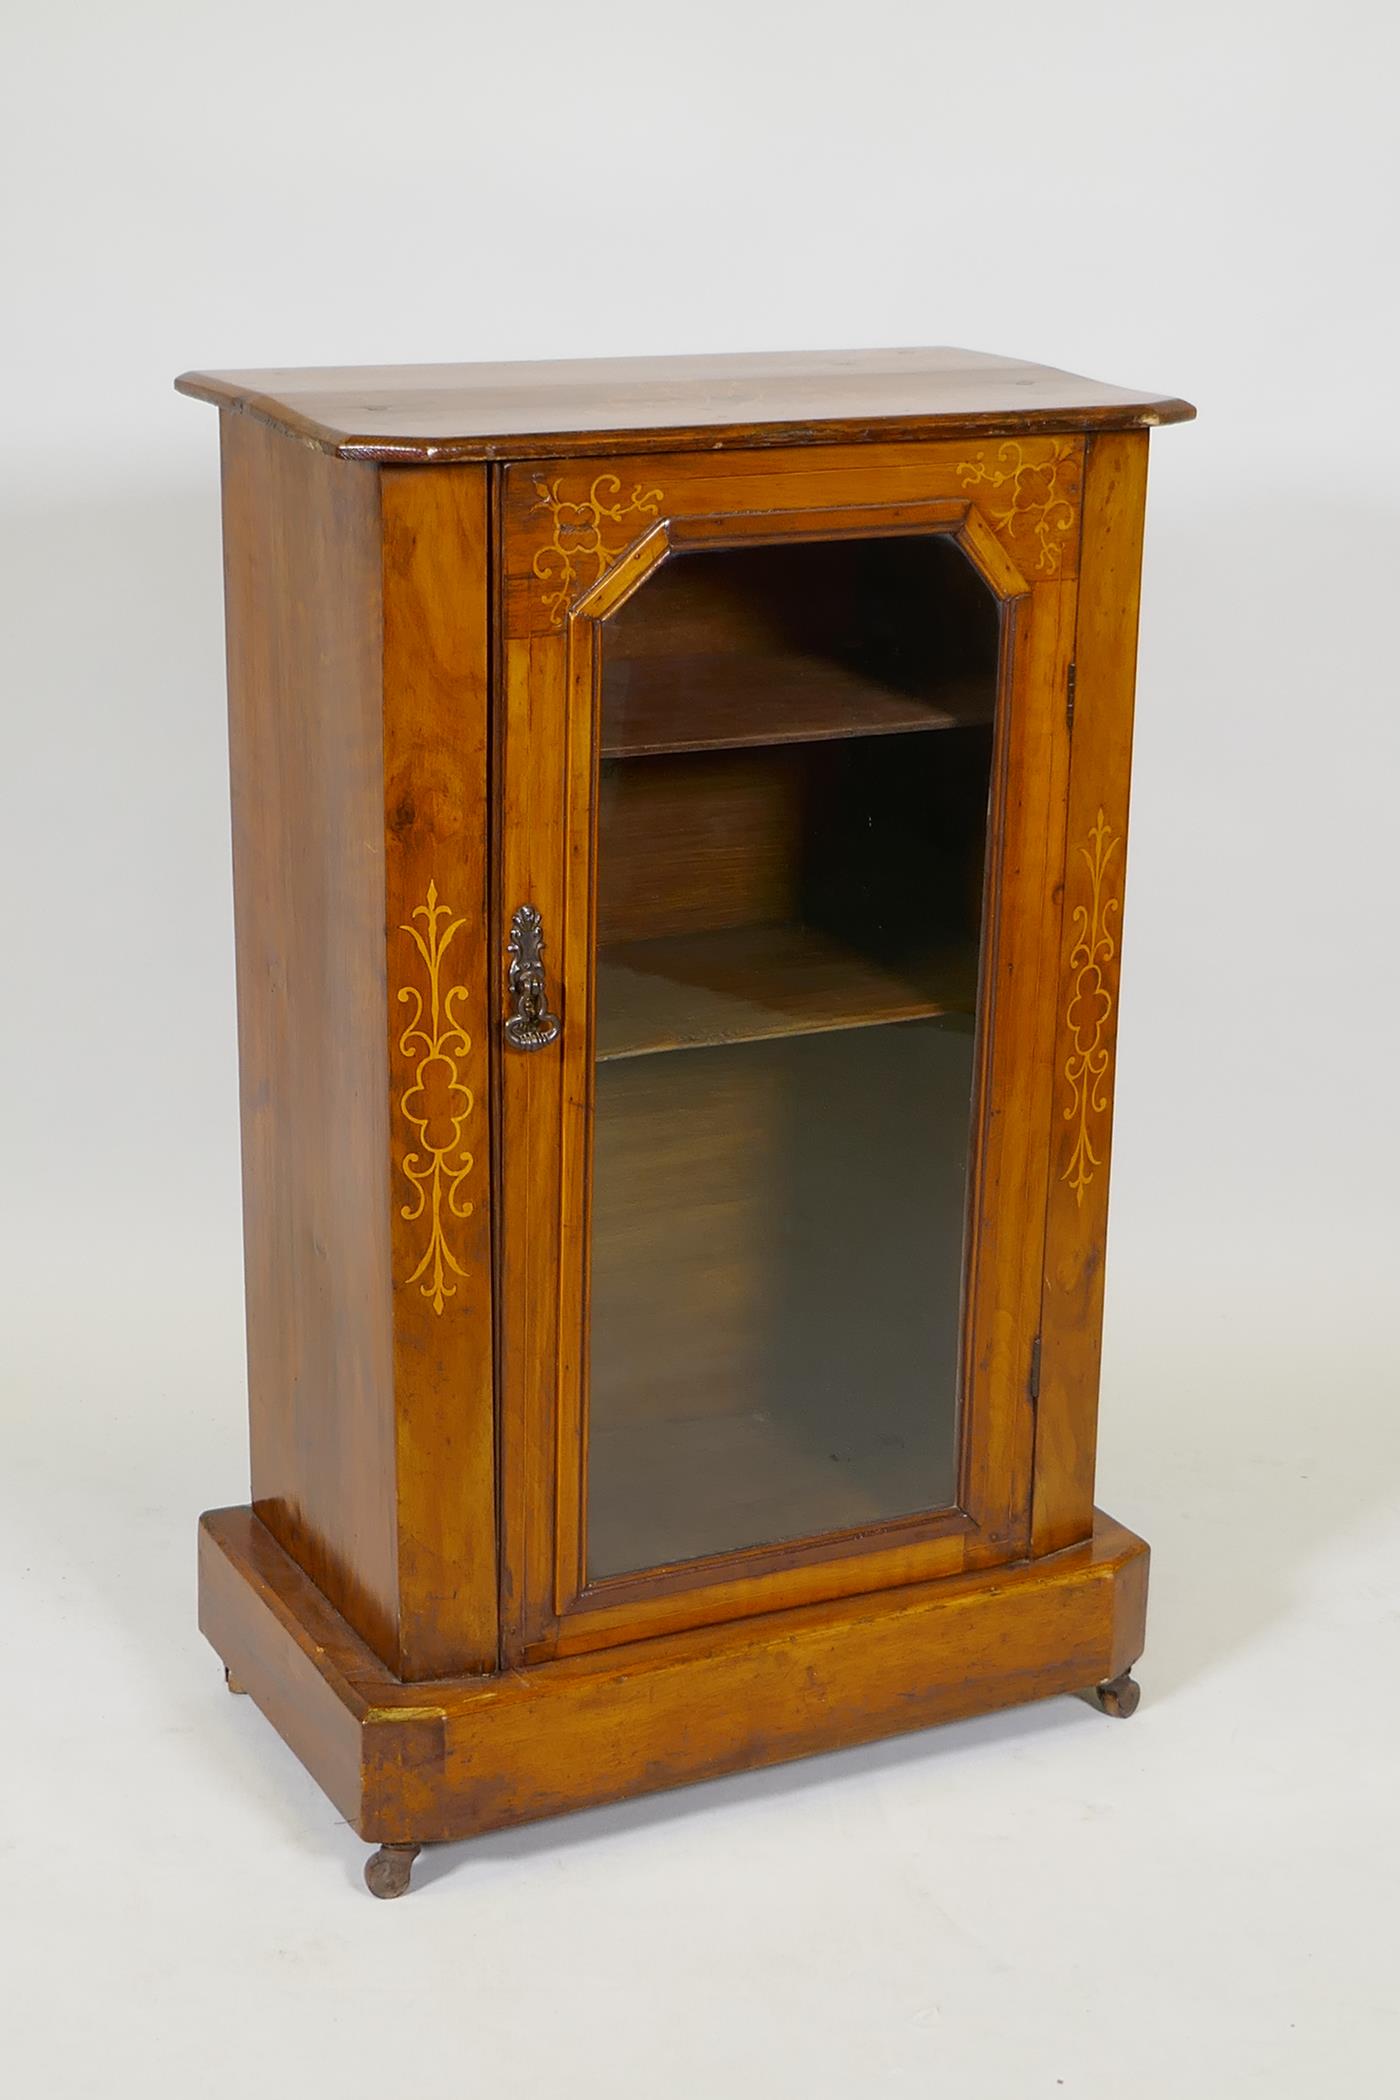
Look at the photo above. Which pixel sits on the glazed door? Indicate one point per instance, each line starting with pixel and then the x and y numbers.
pixel 782 759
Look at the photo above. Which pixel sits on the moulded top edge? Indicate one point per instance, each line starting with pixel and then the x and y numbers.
pixel 420 414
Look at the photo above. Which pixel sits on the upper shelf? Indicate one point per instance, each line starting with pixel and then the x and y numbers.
pixel 593 406
pixel 724 702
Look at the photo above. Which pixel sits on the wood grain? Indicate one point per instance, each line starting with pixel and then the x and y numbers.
pixel 554 679
pixel 467 1755
pixel 595 406
pixel 751 983
pixel 1006 1240
pixel 434 824
pixel 696 843
pixel 303 591
pixel 708 703
pixel 542 673
pixel 1081 1112
pixel 532 842
pixel 358 702
pixel 767 644
pixel 1013 506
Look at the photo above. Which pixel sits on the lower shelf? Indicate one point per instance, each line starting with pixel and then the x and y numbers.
pixel 775 1290
pixel 420 1763
pixel 748 984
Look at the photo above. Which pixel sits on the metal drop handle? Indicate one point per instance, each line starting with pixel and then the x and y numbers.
pixel 532 1025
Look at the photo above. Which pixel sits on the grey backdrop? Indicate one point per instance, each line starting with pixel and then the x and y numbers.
pixel 1199 199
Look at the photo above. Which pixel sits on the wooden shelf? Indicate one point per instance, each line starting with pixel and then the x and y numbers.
pixel 751 983
pixel 710 703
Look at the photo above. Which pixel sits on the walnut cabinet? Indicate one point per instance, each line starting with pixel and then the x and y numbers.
pixel 680 815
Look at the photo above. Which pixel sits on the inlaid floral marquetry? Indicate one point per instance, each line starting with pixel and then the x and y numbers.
pixel 581 543
pixel 657 1121
pixel 1031 490
pixel 436 1103
pixel 1090 1008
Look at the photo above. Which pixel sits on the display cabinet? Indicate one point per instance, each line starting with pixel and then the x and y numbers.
pixel 679 829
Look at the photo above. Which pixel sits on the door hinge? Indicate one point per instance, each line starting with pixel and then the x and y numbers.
pixel 1071 680
pixel 1033 1382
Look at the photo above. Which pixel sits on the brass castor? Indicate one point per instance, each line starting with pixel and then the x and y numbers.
pixel 387 1871
pixel 1118 1697
pixel 232 1682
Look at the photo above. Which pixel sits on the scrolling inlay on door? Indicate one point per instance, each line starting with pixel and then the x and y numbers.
pixel 436 1102
pixel 577 553
pixel 1090 1007
pixel 1036 505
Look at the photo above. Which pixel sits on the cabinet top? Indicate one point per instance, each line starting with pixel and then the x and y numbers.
pixel 419 413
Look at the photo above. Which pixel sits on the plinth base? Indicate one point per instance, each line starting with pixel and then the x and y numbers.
pixel 410 1764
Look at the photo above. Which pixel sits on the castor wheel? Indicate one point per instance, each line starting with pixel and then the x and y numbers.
pixel 1119 1697
pixel 387 1871
pixel 232 1682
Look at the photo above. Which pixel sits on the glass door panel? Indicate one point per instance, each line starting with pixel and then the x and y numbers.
pixel 792 811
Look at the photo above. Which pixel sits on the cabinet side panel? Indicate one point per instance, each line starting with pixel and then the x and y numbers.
pixel 440 1009
pixel 301 541
pixel 1081 1127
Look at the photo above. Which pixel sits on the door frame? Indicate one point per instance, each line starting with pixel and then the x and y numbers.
pixel 575 544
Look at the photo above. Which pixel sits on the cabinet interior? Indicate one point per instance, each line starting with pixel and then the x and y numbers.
pixel 791 838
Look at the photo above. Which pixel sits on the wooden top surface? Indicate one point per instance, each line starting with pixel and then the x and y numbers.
pixel 419 413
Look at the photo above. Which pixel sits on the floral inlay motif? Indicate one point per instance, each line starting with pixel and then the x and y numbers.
pixel 577 552
pixel 436 1102
pixel 1034 505
pixel 1090 1007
